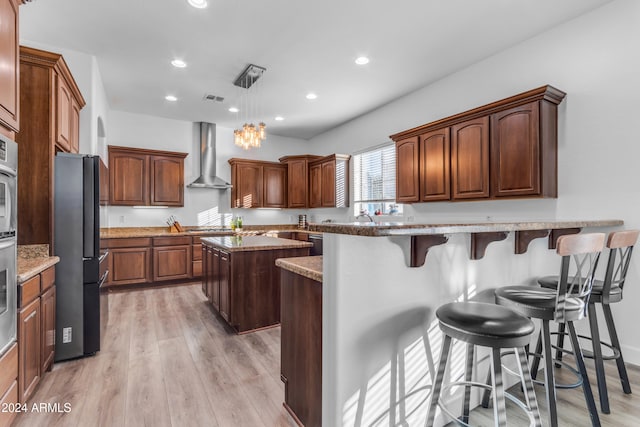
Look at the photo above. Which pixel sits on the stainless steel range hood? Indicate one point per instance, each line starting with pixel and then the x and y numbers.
pixel 208 178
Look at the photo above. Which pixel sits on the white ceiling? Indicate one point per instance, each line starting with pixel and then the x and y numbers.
pixel 304 45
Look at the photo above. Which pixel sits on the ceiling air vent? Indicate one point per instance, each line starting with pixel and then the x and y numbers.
pixel 214 98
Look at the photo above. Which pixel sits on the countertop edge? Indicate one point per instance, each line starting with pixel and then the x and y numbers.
pixel 30 267
pixel 309 266
pixel 280 244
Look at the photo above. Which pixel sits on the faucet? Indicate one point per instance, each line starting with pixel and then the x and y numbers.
pixel 364 214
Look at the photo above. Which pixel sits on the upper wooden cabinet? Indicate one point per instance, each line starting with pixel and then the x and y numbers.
pixel 507 149
pixel 329 182
pixel 298 179
pixel 258 184
pixel 139 177
pixel 9 66
pixel 42 74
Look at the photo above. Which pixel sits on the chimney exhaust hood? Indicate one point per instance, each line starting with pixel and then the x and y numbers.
pixel 208 178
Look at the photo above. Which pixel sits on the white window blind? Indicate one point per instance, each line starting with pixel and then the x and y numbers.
pixel 375 175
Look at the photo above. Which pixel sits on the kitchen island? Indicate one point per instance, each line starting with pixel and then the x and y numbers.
pixel 381 286
pixel 241 280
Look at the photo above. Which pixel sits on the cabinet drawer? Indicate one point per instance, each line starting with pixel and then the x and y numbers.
pixel 9 369
pixel 28 291
pixel 171 241
pixel 11 396
pixel 196 251
pixel 138 242
pixel 48 278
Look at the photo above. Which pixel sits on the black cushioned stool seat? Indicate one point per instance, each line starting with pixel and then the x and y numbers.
pixel 486 325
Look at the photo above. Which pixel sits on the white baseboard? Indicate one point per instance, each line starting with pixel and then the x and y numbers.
pixel 631 355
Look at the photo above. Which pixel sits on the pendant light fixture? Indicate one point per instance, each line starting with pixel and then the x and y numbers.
pixel 250 135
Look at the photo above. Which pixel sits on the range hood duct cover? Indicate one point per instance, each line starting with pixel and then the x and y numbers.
pixel 208 178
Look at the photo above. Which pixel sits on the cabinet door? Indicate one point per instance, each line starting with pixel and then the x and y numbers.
pixel 515 151
pixel 249 182
pixel 167 181
pixel 470 159
pixel 63 114
pixel 328 187
pixel 74 127
pixel 171 262
pixel 274 178
pixel 224 276
pixel 315 185
pixel 128 183
pixel 407 171
pixel 48 307
pixel 297 183
pixel 130 265
pixel 215 279
pixel 435 175
pixel 10 70
pixel 206 271
pixel 29 342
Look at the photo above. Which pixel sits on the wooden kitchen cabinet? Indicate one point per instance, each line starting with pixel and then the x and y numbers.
pixel 8 384
pixel 329 182
pixel 29 341
pixel 258 184
pixel 48 97
pixel 139 177
pixel 298 179
pixel 10 69
pixel 407 172
pixel 171 258
pixel 470 159
pixel 506 149
pixel 48 327
pixel 223 285
pixel 130 261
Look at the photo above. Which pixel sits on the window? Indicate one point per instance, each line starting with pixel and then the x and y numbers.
pixel 374 181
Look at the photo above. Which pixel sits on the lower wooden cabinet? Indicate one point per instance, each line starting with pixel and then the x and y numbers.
pixel 8 384
pixel 172 262
pixel 301 347
pixel 130 265
pixel 36 330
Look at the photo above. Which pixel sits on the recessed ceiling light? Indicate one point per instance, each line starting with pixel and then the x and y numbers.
pixel 171 98
pixel 311 95
pixel 178 63
pixel 198 4
pixel 233 109
pixel 363 60
pixel 279 118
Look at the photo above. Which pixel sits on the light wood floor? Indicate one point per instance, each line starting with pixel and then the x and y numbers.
pixel 168 361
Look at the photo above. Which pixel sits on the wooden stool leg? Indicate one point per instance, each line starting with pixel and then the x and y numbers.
pixel 549 384
pixel 437 384
pixel 467 388
pixel 527 386
pixel 586 387
pixel 597 359
pixel 613 336
pixel 499 406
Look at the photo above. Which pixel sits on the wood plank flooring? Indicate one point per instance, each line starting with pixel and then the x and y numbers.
pixel 167 360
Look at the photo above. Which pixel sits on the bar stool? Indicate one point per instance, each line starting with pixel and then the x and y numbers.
pixel 485 325
pixel 565 304
pixel 604 292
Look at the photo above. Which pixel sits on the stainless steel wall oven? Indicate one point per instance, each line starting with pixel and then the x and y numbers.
pixel 8 211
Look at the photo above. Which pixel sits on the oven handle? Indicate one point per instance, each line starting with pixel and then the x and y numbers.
pixel 6 243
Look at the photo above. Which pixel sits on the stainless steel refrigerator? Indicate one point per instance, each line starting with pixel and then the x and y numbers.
pixel 79 300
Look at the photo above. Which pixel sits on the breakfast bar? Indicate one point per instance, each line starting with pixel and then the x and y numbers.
pixel 382 283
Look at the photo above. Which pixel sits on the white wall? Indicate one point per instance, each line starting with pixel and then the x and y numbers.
pixel 200 204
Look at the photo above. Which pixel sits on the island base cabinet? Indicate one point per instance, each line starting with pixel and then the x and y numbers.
pixel 301 348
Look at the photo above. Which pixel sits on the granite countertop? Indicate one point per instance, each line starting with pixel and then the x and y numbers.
pixel 129 232
pixel 414 229
pixel 33 260
pixel 307 266
pixel 254 243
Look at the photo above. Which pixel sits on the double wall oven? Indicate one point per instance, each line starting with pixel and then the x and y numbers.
pixel 8 212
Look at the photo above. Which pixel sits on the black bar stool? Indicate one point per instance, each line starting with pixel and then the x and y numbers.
pixel 604 292
pixel 486 325
pixel 565 304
